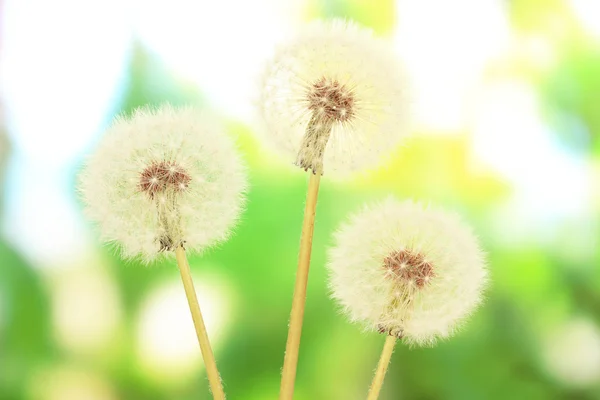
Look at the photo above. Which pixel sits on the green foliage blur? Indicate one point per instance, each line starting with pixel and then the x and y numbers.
pixel 539 285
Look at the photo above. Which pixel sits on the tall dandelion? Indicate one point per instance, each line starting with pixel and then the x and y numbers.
pixel 164 181
pixel 333 99
pixel 406 271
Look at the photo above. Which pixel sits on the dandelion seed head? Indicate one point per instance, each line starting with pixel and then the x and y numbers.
pixel 162 178
pixel 335 99
pixel 406 270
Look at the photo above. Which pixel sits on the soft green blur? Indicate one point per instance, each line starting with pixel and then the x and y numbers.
pixel 92 326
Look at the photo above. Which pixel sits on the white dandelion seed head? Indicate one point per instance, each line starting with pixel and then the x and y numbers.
pixel 334 99
pixel 161 178
pixel 406 270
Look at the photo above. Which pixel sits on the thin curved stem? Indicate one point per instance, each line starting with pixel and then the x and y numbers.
pixel 214 379
pixel 382 367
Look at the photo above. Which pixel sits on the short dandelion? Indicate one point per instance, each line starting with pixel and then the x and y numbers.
pixel 164 181
pixel 408 272
pixel 333 99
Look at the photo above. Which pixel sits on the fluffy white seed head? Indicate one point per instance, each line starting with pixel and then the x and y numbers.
pixel 406 270
pixel 161 178
pixel 334 98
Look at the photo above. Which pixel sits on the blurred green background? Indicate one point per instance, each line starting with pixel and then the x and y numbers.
pixel 507 132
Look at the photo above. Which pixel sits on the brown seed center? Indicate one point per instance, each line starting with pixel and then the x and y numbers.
pixel 160 176
pixel 409 268
pixel 331 100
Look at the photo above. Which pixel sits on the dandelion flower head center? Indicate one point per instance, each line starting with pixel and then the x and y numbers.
pixel 160 176
pixel 330 100
pixel 409 269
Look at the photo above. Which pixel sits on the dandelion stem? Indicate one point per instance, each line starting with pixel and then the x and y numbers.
pixel 384 361
pixel 214 378
pixel 292 347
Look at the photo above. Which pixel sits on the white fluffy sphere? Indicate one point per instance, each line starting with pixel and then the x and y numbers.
pixel 335 98
pixel 406 270
pixel 161 178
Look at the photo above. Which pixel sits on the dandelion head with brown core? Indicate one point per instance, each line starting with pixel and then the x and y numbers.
pixel 408 271
pixel 335 98
pixel 163 178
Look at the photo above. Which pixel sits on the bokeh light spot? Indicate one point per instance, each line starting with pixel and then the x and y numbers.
pixel 572 353
pixel 86 308
pixel 167 347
